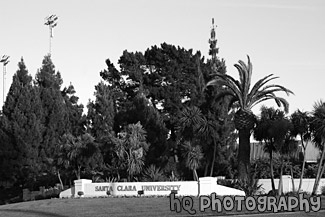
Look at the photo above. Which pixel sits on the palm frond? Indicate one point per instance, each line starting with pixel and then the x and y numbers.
pixel 232 84
pixel 242 76
pixel 318 123
pixel 260 83
pixel 276 88
pixel 191 116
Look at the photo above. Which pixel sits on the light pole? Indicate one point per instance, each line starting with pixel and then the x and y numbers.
pixel 4 60
pixel 51 21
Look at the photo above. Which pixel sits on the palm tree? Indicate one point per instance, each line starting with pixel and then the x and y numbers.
pixel 131 148
pixel 78 152
pixel 190 127
pixel 246 98
pixel 301 122
pixel 194 126
pixel 286 145
pixel 193 155
pixel 266 131
pixel 318 133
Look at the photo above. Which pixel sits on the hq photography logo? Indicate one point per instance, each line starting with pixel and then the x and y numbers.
pixel 240 203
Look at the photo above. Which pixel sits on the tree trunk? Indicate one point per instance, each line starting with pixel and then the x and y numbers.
pixel 198 182
pixel 318 176
pixel 59 176
pixel 302 170
pixel 206 168
pixel 272 172
pixel 195 176
pixel 244 154
pixel 280 182
pixel 78 172
pixel 292 180
pixel 214 156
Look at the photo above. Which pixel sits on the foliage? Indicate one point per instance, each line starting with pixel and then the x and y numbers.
pixel 21 129
pixel 139 109
pixel 79 153
pixel 318 133
pixel 273 129
pixel 76 121
pixel 54 114
pixel 301 127
pixel 100 122
pixel 153 174
pixel 193 155
pixel 250 186
pixel 155 109
pixel 262 168
pixel 131 148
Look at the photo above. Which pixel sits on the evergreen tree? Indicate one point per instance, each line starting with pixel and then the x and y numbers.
pixel 100 121
pixel 55 115
pixel 220 137
pixel 139 109
pixel 76 120
pixel 164 79
pixel 21 126
pixel 101 112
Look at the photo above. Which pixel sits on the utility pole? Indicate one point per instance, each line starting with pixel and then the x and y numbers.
pixel 51 21
pixel 4 60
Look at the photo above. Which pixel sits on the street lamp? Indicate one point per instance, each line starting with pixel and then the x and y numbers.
pixel 4 60
pixel 51 21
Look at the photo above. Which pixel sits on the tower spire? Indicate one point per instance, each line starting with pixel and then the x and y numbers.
pixel 213 46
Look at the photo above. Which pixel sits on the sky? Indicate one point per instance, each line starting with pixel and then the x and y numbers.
pixel 282 37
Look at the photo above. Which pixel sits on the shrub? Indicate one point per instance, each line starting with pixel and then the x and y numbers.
pixel 250 186
pixel 153 174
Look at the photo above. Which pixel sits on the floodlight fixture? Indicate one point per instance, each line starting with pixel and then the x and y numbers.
pixel 4 60
pixel 51 21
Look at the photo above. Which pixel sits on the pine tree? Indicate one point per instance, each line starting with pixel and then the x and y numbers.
pixel 76 120
pixel 54 112
pixel 100 120
pixel 21 126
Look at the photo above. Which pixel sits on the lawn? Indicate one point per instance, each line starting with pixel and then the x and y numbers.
pixel 100 207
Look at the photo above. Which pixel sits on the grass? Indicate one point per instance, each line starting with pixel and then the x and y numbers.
pixel 100 207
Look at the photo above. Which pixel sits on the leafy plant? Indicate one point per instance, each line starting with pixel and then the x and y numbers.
pixel 153 174
pixel 250 186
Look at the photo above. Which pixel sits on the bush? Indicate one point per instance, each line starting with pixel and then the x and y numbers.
pixel 11 195
pixel 261 167
pixel 153 174
pixel 250 187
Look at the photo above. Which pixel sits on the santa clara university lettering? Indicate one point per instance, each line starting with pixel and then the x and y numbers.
pixel 143 187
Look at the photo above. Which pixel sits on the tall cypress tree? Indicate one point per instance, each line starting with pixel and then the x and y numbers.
pixel 100 118
pixel 21 127
pixel 76 120
pixel 55 116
